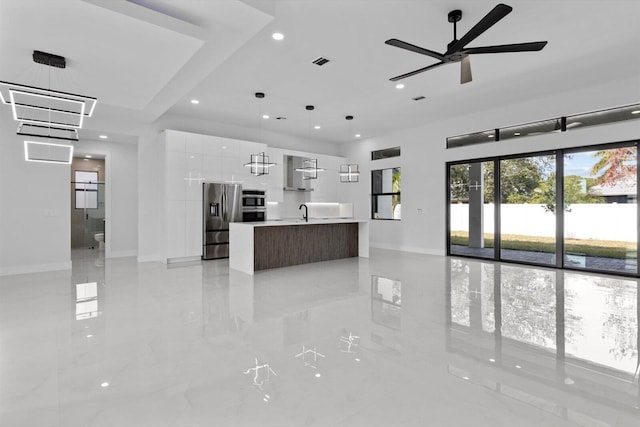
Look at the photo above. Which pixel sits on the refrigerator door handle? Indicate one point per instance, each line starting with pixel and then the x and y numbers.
pixel 224 204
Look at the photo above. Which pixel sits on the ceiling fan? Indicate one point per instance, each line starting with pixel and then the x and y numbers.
pixel 457 50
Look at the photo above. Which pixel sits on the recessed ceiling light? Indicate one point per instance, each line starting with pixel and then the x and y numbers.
pixel 316 127
pixel 195 101
pixel 277 36
pixel 103 137
pixel 635 112
pixel 104 384
pixel 265 116
pixel 358 135
pixel 88 156
pixel 224 147
pixel 399 86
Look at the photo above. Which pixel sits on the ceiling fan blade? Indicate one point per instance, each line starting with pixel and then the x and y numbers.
pixel 516 47
pixel 496 14
pixel 413 48
pixel 465 70
pixel 413 73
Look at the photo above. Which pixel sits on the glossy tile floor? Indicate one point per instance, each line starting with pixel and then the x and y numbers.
pixel 395 340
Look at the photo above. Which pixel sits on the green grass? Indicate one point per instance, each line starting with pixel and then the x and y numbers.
pixel 590 247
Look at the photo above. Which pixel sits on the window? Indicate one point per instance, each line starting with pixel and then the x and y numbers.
pixel 385 194
pixel 385 153
pixel 86 180
pixel 86 199
pixel 558 124
pixel 86 185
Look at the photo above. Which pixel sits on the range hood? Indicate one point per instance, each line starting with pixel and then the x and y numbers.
pixel 293 179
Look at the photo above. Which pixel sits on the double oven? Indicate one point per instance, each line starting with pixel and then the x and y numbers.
pixel 254 206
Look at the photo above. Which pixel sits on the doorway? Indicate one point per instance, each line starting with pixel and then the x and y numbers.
pixel 88 204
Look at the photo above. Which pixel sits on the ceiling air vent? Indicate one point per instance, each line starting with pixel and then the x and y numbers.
pixel 418 98
pixel 320 61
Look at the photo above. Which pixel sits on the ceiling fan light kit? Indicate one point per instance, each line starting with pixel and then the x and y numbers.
pixel 457 50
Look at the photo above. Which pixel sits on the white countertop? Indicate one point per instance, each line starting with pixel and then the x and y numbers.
pixel 312 221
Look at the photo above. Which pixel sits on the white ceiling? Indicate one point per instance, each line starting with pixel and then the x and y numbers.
pixel 146 58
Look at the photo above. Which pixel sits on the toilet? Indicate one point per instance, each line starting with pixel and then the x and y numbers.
pixel 99 237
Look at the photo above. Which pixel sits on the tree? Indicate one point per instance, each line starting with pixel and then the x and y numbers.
pixel 617 164
pixel 459 182
pixel 396 184
pixel 575 191
pixel 518 179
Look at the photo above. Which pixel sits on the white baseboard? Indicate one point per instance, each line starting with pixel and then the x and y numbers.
pixel 183 259
pixel 38 268
pixel 122 254
pixel 149 258
pixel 414 249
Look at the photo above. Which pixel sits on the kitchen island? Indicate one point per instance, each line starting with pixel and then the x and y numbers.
pixel 258 246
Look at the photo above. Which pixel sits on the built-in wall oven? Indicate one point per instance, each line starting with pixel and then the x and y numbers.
pixel 254 206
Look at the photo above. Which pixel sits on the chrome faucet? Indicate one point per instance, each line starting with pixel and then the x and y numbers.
pixel 306 212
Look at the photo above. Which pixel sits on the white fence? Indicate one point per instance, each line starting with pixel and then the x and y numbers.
pixel 608 221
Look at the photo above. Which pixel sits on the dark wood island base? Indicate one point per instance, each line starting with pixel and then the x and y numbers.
pixel 281 246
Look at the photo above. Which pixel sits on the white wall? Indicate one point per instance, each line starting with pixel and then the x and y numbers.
pixel 35 228
pixel 150 187
pixel 35 215
pixel 422 228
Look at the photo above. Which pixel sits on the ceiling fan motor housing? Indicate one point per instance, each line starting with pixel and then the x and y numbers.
pixel 455 15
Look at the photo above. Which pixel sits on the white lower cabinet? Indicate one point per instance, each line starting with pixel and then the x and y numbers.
pixel 193 230
pixel 175 229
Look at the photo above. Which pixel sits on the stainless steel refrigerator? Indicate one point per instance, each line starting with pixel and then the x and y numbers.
pixel 222 205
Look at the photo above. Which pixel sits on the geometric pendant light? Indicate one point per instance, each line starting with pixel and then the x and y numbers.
pixel 259 163
pixel 349 172
pixel 47 113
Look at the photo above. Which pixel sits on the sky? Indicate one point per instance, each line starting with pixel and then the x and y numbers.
pixel 579 164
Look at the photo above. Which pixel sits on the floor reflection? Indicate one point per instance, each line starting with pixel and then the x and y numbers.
pixel 398 339
pixel 386 302
pixel 576 331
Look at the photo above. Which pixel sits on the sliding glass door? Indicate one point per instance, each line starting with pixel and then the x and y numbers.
pixel 527 209
pixel 471 209
pixel 575 208
pixel 600 218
